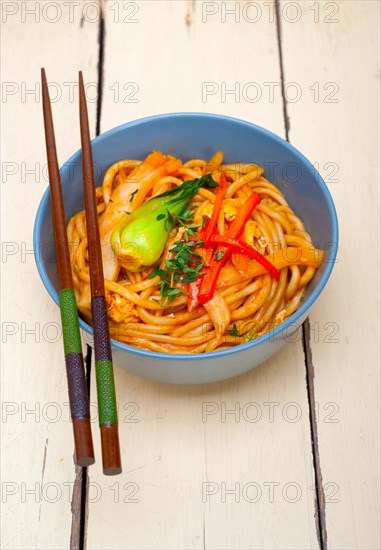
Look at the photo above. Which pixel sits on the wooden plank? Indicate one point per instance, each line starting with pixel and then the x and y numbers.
pixel 38 473
pixel 173 457
pixel 336 67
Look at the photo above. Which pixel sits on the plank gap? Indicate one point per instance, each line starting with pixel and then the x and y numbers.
pixel 281 67
pixel 76 511
pixel 85 473
pixel 320 516
pixel 319 490
pixel 101 57
pixel 83 510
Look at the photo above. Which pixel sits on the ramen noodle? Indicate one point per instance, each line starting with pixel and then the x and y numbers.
pixel 153 290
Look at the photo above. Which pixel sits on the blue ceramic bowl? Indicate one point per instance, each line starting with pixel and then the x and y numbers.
pixel 194 135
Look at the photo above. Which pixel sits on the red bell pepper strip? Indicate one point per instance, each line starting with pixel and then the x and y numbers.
pixel 245 249
pixel 237 226
pixel 211 225
pixel 209 280
pixel 204 234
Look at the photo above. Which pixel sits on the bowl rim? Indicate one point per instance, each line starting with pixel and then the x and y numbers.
pixel 291 321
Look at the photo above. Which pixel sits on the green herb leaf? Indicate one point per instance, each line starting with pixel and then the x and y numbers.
pixel 233 331
pixel 133 195
pixel 219 255
pixel 208 181
pixel 185 267
pixel 156 271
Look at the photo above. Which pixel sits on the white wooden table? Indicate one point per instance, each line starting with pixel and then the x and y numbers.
pixel 290 459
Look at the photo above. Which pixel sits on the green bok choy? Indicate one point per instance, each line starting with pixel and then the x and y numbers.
pixel 139 239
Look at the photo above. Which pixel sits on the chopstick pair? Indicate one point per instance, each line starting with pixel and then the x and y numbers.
pixel 78 395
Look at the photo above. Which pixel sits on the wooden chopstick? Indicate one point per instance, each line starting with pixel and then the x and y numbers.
pixel 78 395
pixel 108 418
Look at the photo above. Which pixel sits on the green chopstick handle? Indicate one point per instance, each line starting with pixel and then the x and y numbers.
pixel 78 396
pixel 106 392
pixel 103 364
